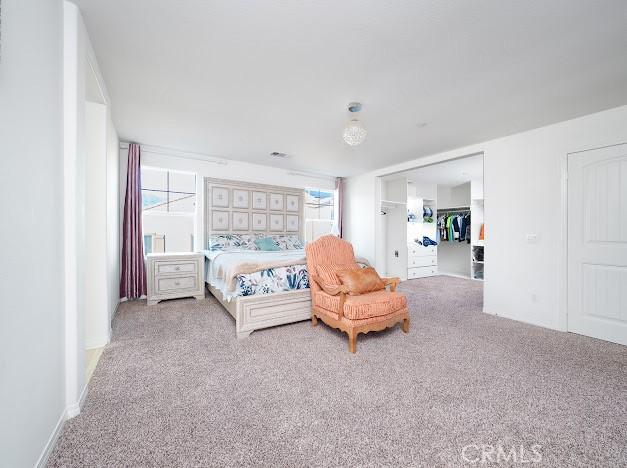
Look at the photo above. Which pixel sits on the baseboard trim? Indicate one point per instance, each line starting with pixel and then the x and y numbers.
pixel 99 342
pixel 75 409
pixel 52 441
pixel 68 413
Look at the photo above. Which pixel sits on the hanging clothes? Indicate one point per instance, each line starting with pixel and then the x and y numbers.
pixel 449 225
pixel 454 226
pixel 462 227
pixel 468 230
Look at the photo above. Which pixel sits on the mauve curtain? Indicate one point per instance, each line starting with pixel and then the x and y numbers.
pixel 339 186
pixel 133 280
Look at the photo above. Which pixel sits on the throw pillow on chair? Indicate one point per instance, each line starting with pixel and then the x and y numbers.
pixel 361 281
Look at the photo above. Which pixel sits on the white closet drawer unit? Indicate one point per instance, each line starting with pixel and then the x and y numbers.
pixel 420 251
pixel 421 261
pixel 175 275
pixel 422 272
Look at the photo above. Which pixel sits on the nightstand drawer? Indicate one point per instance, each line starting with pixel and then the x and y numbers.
pixel 168 285
pixel 174 268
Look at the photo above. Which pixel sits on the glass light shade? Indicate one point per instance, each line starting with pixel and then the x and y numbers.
pixel 354 133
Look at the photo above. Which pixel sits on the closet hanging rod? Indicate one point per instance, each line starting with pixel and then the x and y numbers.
pixel 460 208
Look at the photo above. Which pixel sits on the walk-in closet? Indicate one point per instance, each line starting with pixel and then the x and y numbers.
pixel 431 220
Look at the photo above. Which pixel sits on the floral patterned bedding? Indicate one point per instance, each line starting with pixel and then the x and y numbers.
pixel 278 271
pixel 273 280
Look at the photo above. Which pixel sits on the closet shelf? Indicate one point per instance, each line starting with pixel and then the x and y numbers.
pixel 392 203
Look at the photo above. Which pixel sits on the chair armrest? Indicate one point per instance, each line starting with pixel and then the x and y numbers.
pixel 333 291
pixel 391 282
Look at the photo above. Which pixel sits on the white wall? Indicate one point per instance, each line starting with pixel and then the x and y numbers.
pixel 225 169
pixel 97 290
pixel 453 196
pixel 523 190
pixel 31 241
pixel 74 149
pixel 395 221
pixel 113 217
pixel 427 190
pixel 362 217
pixel 96 297
pixel 79 65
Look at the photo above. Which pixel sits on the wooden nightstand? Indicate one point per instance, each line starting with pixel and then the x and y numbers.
pixel 175 275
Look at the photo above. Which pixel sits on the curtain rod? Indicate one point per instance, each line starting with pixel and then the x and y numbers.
pixel 308 174
pixel 177 153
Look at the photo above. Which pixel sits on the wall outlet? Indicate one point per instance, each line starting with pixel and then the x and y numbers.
pixel 396 253
pixel 534 297
pixel 532 238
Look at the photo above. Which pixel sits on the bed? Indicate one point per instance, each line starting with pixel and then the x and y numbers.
pixel 259 288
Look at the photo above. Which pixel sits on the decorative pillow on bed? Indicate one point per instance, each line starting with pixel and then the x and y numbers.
pixel 288 242
pixel 232 241
pixel 266 243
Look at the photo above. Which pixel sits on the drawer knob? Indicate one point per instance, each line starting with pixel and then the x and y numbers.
pixel 177 283
pixel 177 268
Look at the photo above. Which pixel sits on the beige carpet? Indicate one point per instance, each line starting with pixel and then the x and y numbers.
pixel 175 388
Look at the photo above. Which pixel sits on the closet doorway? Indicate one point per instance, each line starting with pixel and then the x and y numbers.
pixel 432 220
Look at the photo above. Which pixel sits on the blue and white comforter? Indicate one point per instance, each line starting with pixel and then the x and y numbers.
pixel 238 272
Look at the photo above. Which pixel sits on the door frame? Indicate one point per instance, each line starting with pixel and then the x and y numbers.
pixel 562 322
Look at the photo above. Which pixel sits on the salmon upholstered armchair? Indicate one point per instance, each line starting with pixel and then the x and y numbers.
pixel 332 303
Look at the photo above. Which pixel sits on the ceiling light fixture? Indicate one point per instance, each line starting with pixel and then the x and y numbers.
pixel 354 133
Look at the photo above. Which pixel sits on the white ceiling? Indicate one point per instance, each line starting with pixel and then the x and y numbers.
pixel 449 173
pixel 240 79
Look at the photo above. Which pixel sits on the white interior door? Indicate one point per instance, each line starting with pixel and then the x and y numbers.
pixel 597 243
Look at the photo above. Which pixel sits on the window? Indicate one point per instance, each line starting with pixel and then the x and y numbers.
pixel 319 204
pixel 169 209
pixel 168 191
pixel 319 212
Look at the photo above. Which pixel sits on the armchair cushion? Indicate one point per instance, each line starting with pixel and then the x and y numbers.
pixel 327 272
pixel 364 306
pixel 361 281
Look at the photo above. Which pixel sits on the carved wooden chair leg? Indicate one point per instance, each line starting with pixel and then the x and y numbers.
pixel 314 320
pixel 352 341
pixel 406 325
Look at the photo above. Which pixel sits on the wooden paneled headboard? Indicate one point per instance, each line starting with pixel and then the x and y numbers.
pixel 233 207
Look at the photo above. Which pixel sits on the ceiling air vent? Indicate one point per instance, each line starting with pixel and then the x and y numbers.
pixel 276 154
